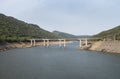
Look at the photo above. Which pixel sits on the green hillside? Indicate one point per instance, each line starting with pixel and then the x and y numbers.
pixel 12 29
pixel 113 33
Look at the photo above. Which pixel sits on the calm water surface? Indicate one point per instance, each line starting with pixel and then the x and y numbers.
pixel 58 63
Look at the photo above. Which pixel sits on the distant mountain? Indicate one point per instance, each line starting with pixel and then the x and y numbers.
pixel 12 29
pixel 63 35
pixel 67 35
pixel 83 36
pixel 113 33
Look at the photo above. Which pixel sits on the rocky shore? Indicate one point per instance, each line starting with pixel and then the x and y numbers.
pixel 7 46
pixel 106 46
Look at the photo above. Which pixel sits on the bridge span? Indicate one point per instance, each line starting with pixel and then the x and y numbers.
pixel 46 42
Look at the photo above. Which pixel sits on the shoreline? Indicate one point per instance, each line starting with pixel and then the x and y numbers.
pixel 100 46
pixel 104 46
pixel 8 46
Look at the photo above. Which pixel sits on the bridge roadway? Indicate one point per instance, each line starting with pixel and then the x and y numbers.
pixel 46 42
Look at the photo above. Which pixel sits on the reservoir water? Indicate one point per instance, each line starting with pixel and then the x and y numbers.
pixel 58 63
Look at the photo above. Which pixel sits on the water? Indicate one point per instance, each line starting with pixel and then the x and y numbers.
pixel 58 63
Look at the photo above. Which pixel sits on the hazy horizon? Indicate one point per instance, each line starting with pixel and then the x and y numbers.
pixel 77 17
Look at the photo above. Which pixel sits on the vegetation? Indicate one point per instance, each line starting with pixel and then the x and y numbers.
pixel 12 29
pixel 113 34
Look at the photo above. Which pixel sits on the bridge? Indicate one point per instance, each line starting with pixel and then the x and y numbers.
pixel 64 41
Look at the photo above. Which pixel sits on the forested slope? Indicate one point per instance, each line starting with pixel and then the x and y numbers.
pixel 12 29
pixel 113 33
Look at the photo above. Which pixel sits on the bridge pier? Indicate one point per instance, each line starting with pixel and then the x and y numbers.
pixel 60 44
pixel 80 42
pixel 47 42
pixel 86 42
pixel 64 43
pixel 31 42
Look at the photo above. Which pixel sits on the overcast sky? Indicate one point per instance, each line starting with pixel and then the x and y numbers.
pixel 79 17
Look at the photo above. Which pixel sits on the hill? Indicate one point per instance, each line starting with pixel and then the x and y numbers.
pixel 113 33
pixel 67 35
pixel 63 35
pixel 12 29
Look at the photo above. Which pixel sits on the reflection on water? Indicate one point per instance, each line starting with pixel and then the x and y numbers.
pixel 58 63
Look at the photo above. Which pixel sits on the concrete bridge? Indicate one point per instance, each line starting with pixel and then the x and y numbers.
pixel 46 42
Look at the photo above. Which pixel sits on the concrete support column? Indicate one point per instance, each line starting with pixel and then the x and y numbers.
pixel 47 42
pixel 60 43
pixel 31 42
pixel 86 42
pixel 80 44
pixel 64 43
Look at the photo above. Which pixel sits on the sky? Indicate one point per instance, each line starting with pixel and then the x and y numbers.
pixel 78 17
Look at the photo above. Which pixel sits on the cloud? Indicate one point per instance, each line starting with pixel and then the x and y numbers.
pixel 15 7
pixel 72 16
